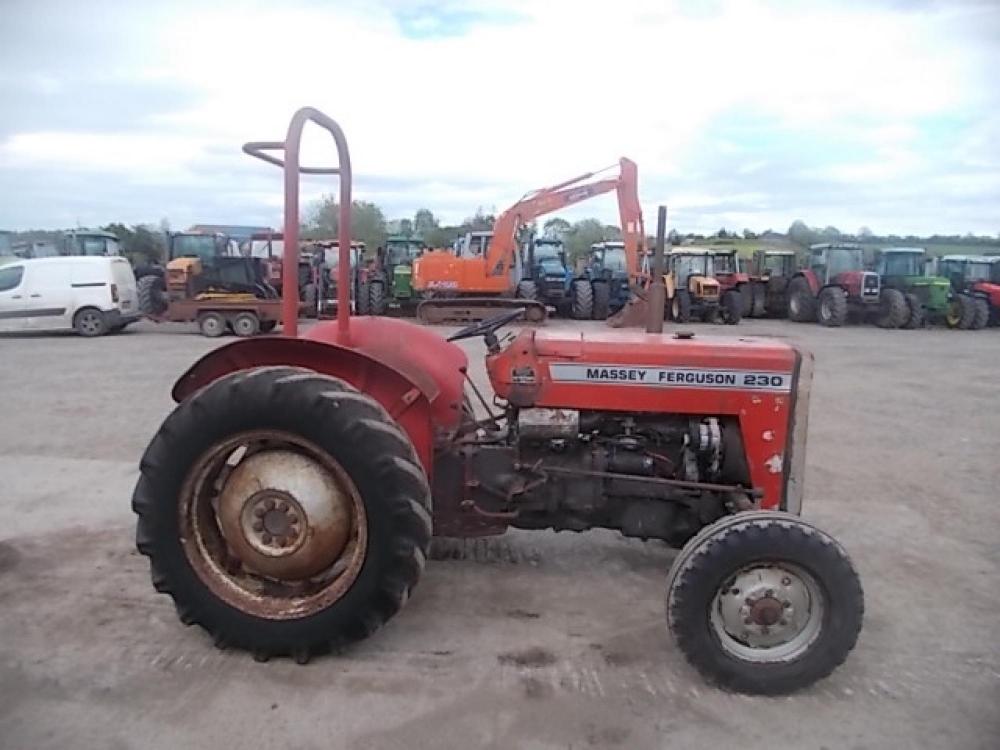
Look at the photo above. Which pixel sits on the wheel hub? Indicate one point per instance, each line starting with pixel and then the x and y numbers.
pixel 283 515
pixel 768 613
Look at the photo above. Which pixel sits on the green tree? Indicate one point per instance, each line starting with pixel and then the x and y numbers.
pixel 424 222
pixel 367 222
pixel 582 235
pixel 480 221
pixel 749 234
pixel 801 233
pixel 556 227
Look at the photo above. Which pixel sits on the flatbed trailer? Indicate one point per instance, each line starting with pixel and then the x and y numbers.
pixel 244 317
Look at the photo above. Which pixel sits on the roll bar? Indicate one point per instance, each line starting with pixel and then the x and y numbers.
pixel 293 170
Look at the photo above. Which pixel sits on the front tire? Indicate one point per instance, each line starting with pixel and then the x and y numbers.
pixel 982 314
pixel 758 303
pixel 602 301
pixel 763 602
pixel 376 298
pixel 350 505
pixel 680 306
pixel 918 316
pixel 90 323
pixel 527 289
pixel 732 307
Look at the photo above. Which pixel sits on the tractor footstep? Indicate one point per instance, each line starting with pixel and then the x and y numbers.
pixel 489 550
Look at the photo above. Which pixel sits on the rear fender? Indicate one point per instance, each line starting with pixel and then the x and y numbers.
pixel 812 280
pixel 398 394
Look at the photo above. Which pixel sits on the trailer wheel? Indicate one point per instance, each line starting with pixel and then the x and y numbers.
pixel 211 324
pixel 266 326
pixel 284 512
pixel 918 316
pixel 758 304
pixel 764 603
pixel 246 324
pixel 90 322
pixel 527 289
pixel 982 314
pixel 832 306
pixel 893 310
pixel 801 302
pixel 732 307
pixel 680 307
pixel 602 301
pixel 582 294
pixel 376 298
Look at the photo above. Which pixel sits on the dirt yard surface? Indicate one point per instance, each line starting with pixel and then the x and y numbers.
pixel 531 640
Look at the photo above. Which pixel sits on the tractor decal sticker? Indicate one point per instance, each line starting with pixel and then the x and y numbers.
pixel 672 377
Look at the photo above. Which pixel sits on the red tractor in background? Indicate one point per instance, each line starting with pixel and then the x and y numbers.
pixel 288 503
pixel 732 277
pixel 835 285
pixel 978 277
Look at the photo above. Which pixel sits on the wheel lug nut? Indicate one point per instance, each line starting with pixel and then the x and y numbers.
pixel 786 604
pixel 269 504
pixel 769 592
pixel 749 600
pixel 266 538
pixel 747 621
pixel 258 525
pixel 735 592
pixel 282 506
pixel 293 533
pixel 782 621
pixel 786 581
pixel 259 512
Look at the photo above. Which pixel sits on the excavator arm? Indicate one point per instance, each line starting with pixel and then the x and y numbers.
pixel 501 253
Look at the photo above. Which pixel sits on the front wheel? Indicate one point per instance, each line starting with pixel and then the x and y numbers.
pixel 582 295
pixel 801 302
pixel 602 301
pixel 284 512
pixel 90 322
pixel 893 312
pixel 732 307
pixel 763 602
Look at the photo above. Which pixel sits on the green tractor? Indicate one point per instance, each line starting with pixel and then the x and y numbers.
pixel 929 297
pixel 388 284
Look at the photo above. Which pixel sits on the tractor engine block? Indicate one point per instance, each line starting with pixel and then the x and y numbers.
pixel 646 475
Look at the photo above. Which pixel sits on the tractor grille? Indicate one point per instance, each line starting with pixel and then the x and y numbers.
pixel 869 285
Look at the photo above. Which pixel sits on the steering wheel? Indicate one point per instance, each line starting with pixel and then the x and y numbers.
pixel 487 327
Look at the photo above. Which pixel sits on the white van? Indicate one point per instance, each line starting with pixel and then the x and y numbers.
pixel 92 296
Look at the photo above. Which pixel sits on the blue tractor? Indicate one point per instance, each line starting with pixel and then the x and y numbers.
pixel 603 288
pixel 545 276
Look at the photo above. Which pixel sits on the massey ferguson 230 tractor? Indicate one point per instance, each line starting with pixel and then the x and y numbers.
pixel 288 502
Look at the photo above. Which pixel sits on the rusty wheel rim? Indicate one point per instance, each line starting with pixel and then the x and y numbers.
pixel 273 525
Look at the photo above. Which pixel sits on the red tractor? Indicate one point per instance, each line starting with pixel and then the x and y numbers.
pixel 975 280
pixel 733 277
pixel 834 284
pixel 288 502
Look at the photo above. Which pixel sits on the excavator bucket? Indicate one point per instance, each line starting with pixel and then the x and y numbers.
pixel 635 313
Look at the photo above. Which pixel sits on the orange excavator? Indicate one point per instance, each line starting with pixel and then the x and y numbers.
pixel 480 278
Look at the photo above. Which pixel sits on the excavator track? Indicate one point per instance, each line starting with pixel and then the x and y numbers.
pixel 470 309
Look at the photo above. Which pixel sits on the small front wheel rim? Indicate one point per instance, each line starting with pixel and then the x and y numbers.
pixel 273 525
pixel 768 613
pixel 90 322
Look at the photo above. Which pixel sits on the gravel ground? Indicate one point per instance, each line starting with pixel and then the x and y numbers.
pixel 530 640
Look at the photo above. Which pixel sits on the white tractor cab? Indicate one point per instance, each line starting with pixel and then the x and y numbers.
pixel 91 295
pixel 78 242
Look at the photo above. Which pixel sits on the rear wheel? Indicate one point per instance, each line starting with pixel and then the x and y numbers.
pixel 361 303
pixel 746 299
pixel 763 602
pixel 527 289
pixel 376 298
pixel 211 324
pixel 982 316
pixel 961 312
pixel 151 294
pixel 309 300
pixel 893 311
pixel 582 294
pixel 246 324
pixel 758 300
pixel 732 307
pixel 90 322
pixel 680 307
pixel 602 301
pixel 266 326
pixel 801 303
pixel 918 316
pixel 832 306
pixel 285 512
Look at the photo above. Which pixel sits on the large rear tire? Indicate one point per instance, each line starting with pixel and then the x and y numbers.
pixel 361 302
pixel 763 602
pixel 732 307
pixel 283 511
pixel 918 316
pixel 758 297
pixel 680 306
pixel 832 307
pixel 602 301
pixel 376 298
pixel 582 294
pixel 893 310
pixel 309 297
pixel 527 289
pixel 982 314
pixel 801 302
pixel 746 299
pixel 152 295
pixel 961 312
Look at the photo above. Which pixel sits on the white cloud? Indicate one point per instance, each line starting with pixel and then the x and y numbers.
pixel 480 117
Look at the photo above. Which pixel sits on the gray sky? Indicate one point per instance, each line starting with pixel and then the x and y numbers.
pixel 742 114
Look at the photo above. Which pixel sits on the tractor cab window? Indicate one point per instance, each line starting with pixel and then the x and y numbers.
pixel 693 265
pixel 902 264
pixel 402 252
pixel 776 263
pixel 843 259
pixel 726 264
pixel 978 271
pixel 548 250
pixel 202 246
pixel 479 244
pixel 614 259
